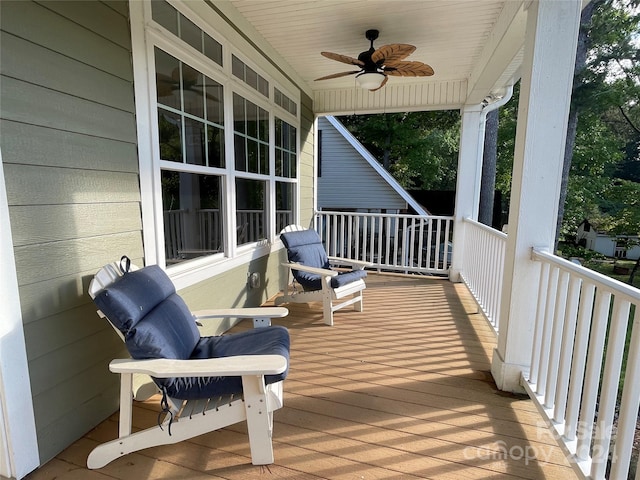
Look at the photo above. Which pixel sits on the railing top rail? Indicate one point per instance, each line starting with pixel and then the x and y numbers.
pixel 617 287
pixel 486 228
pixel 392 215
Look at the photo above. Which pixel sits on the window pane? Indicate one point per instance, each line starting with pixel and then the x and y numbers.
pixel 286 155
pixel 238 114
pixel 252 77
pixel 195 141
pixel 263 126
pixel 165 15
pixel 167 79
pixel 215 146
pixel 170 134
pixel 252 119
pixel 264 159
pixel 212 49
pixel 284 205
pixel 237 67
pixel 192 84
pixel 250 213
pixel 192 217
pixel 214 96
pixel 240 153
pixel 191 33
pixel 252 156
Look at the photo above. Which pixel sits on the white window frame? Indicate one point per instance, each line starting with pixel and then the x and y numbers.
pixel 146 35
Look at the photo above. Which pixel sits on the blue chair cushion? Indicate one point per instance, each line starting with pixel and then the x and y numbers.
pixel 273 340
pixel 133 296
pixel 305 247
pixel 155 321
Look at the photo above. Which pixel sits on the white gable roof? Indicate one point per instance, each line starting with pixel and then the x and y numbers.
pixel 370 159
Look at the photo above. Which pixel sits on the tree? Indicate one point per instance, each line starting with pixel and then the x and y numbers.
pixel 489 166
pixel 606 78
pixel 420 149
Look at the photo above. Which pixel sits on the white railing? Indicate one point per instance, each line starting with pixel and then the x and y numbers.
pixel 391 242
pixel 586 345
pixel 483 265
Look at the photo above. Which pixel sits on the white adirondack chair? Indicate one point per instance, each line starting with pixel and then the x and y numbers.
pixel 259 393
pixel 318 282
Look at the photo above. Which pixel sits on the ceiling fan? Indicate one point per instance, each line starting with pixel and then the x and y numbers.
pixel 377 64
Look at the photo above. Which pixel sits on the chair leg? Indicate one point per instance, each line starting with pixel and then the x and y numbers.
pixel 327 311
pixel 259 421
pixel 359 305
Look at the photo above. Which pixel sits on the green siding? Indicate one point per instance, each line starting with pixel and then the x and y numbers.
pixel 68 144
pixel 307 170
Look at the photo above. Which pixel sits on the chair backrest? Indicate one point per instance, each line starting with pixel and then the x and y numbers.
pixel 154 320
pixel 305 247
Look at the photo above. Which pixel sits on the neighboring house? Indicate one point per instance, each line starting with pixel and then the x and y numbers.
pixel 351 179
pixel 615 246
pixel 182 134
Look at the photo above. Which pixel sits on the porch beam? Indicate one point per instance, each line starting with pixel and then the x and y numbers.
pixel 501 54
pixel 545 95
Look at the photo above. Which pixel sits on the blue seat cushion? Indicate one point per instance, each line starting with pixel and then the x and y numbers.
pixel 305 247
pixel 273 340
pixel 344 278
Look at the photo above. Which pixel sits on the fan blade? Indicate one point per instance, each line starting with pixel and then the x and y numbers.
pixel 337 75
pixel 384 82
pixel 391 54
pixel 343 58
pixel 409 69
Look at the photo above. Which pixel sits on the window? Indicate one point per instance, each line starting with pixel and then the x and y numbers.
pixel 249 76
pixel 251 136
pixel 190 113
pixel 225 145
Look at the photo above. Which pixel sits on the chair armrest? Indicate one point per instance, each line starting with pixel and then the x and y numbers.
pixel 236 366
pixel 259 312
pixel 356 264
pixel 305 268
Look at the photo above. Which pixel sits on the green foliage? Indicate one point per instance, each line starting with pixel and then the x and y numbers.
pixel 420 149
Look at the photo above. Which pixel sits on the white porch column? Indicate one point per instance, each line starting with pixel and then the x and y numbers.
pixel 18 442
pixel 468 181
pixel 545 94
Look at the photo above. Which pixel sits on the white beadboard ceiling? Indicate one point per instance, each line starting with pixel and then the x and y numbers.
pixel 473 43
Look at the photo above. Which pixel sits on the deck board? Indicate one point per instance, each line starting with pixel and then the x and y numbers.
pixel 400 391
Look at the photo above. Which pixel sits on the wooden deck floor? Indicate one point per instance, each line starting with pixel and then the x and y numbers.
pixel 400 391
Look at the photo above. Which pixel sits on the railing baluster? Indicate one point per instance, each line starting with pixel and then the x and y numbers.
pixel 539 323
pixel 546 332
pixel 629 404
pixel 566 349
pixel 578 362
pixel 592 374
pixel 609 388
pixel 557 327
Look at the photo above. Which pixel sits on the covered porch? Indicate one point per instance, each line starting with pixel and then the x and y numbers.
pixel 419 385
pixel 403 390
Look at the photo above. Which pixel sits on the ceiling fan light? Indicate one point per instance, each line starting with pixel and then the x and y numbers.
pixel 370 80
